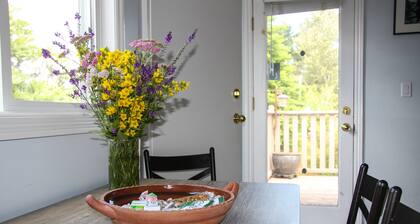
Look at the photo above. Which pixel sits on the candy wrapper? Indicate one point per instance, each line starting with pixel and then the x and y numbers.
pixel 150 202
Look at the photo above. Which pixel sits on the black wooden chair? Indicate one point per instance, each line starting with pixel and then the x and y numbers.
pixel 179 163
pixel 396 212
pixel 371 189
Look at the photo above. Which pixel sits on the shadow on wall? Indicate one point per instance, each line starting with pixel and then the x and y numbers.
pixel 176 103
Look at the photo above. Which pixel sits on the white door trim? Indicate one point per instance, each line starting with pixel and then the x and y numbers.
pixel 247 90
pixel 359 77
pixel 251 53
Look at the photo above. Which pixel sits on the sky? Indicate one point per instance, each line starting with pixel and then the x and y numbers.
pixel 292 19
pixel 44 21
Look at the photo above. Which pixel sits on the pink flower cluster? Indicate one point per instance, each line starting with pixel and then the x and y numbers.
pixel 91 58
pixel 146 45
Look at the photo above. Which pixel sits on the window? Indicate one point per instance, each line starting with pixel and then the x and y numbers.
pixel 34 102
pixel 32 27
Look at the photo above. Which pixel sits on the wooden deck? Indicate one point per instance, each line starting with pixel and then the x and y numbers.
pixel 314 190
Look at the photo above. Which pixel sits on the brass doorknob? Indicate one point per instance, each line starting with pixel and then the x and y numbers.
pixel 346 127
pixel 238 118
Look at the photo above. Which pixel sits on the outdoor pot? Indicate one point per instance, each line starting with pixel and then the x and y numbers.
pixel 286 164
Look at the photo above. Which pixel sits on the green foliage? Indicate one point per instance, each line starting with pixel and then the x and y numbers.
pixel 28 85
pixel 310 81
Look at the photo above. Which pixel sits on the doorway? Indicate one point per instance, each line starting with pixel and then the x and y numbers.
pixel 302 99
pixel 347 138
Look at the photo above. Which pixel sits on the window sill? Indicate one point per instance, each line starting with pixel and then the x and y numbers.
pixel 15 126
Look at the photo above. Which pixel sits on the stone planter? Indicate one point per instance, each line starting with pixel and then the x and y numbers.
pixel 286 164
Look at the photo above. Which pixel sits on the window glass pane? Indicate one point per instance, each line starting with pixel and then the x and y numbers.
pixel 32 27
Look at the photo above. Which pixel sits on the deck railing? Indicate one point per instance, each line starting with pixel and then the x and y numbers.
pixel 314 134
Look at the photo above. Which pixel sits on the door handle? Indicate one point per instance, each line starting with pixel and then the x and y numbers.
pixel 238 118
pixel 346 127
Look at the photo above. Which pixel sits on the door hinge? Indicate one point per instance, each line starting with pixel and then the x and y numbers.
pixel 253 103
pixel 252 23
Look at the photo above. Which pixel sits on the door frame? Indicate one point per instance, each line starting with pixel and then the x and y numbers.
pixel 254 132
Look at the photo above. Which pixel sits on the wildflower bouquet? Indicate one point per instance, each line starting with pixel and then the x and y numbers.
pixel 124 90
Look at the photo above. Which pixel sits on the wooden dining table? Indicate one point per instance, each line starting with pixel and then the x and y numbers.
pixel 257 203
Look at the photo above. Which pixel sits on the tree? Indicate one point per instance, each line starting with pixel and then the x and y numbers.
pixel 280 50
pixel 319 67
pixel 26 84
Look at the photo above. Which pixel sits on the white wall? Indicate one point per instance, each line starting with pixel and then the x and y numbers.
pixel 392 123
pixel 35 173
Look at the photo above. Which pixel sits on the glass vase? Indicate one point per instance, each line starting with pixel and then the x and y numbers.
pixel 123 163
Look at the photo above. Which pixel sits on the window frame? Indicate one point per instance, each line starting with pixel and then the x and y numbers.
pixel 10 104
pixel 21 119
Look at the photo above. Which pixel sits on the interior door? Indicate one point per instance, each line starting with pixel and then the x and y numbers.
pixel 202 116
pixel 301 123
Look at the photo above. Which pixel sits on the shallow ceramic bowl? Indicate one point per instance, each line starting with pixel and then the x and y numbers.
pixel 121 196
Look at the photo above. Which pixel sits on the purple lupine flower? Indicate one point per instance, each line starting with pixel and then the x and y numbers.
pixel 168 38
pixel 107 91
pixel 57 34
pixel 147 71
pixel 84 88
pixel 76 93
pixel 46 53
pixel 114 131
pixel 136 65
pixel 56 72
pixel 74 81
pixel 168 80
pixel 170 70
pixel 72 73
pixel 151 90
pixel 91 33
pixel 77 16
pixel 192 36
pixel 60 45
pixel 83 106
pixel 152 114
pixel 138 89
pixel 66 23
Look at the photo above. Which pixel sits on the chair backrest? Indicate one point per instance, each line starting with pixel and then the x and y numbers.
pixel 396 212
pixel 179 163
pixel 371 189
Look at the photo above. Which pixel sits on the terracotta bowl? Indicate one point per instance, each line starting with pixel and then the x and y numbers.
pixel 121 196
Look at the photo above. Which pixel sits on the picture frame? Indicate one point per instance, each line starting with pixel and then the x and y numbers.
pixel 406 17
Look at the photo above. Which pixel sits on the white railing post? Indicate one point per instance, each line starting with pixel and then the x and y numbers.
pixel 304 141
pixel 313 142
pixel 277 140
pixel 286 133
pixel 332 133
pixel 322 134
pixel 295 131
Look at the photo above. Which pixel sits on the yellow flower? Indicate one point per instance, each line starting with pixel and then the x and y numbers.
pixel 104 96
pixel 106 85
pixel 124 103
pixel 122 126
pixel 132 133
pixel 123 116
pixel 184 85
pixel 124 93
pixel 110 111
pixel 134 124
pixel 158 76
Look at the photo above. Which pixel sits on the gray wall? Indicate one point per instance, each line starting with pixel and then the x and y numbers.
pixel 35 173
pixel 392 123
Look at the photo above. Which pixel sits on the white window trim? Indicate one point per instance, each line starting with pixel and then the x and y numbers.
pixel 25 119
